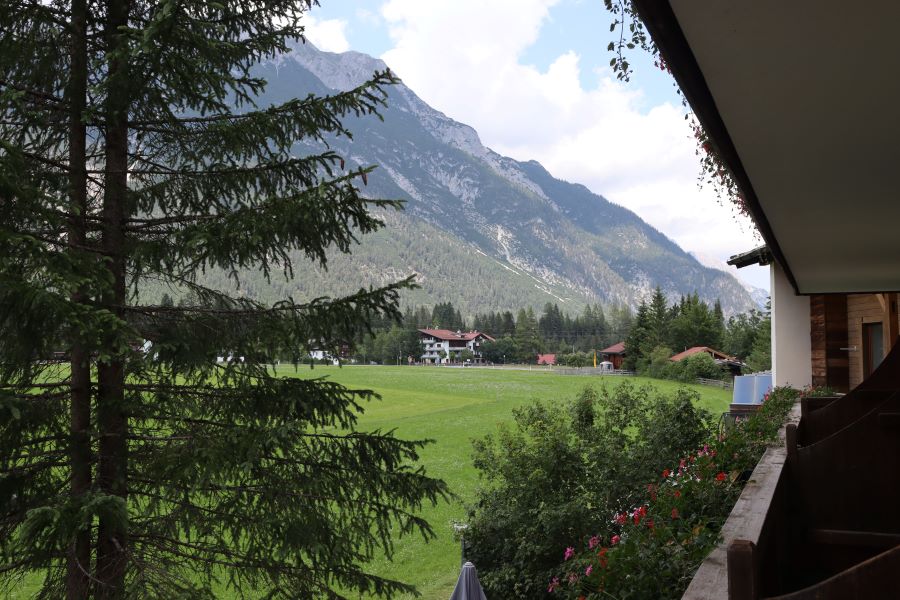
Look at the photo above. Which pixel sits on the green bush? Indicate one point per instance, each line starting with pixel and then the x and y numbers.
pixel 562 469
pixel 694 366
pixel 659 363
pixel 576 359
pixel 652 548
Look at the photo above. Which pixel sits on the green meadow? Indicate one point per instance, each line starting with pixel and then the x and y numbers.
pixel 451 406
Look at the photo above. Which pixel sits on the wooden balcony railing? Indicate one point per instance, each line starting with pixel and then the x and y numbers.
pixel 820 516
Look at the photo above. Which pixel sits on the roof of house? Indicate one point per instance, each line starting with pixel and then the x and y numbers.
pixel 758 256
pixel 698 349
pixel 614 349
pixel 546 359
pixel 446 334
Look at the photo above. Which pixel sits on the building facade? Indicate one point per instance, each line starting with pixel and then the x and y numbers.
pixel 442 346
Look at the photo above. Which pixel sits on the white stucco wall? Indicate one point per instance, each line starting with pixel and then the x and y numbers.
pixel 791 357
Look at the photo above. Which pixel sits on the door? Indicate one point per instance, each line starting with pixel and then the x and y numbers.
pixel 873 346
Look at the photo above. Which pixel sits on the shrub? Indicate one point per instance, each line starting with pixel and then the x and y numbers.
pixel 561 470
pixel 652 548
pixel 575 359
pixel 659 362
pixel 697 365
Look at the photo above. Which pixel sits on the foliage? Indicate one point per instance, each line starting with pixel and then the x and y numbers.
pixel 444 316
pixel 695 366
pixel 398 343
pixel 660 365
pixel 760 358
pixel 501 351
pixel 741 333
pixel 576 359
pixel 689 322
pixel 652 548
pixel 518 339
pixel 132 151
pixel 818 391
pixel 562 469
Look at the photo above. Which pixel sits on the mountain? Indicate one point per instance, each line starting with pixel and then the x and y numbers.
pixel 481 230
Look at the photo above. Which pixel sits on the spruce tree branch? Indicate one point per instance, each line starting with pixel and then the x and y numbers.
pixel 379 79
pixel 31 467
pixel 43 96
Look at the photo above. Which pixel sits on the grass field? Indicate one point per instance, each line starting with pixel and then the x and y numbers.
pixel 451 406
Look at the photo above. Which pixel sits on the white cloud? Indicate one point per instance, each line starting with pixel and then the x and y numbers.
pixel 368 17
pixel 464 57
pixel 329 35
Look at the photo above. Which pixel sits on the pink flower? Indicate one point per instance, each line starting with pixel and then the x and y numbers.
pixel 615 540
pixel 570 552
pixel 573 577
pixel 554 585
pixel 593 542
pixel 588 571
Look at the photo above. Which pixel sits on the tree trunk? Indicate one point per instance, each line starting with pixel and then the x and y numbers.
pixel 78 563
pixel 111 411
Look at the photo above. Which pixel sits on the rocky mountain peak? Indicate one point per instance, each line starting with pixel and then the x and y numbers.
pixel 339 71
pixel 491 232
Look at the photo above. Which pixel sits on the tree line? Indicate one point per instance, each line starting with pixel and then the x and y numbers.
pixel 656 328
pixel 661 330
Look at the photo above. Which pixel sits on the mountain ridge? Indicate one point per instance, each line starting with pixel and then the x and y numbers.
pixel 541 239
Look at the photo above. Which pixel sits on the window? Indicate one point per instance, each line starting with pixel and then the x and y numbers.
pixel 873 347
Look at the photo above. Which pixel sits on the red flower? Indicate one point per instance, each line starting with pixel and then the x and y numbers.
pixel 674 513
pixel 666 473
pixel 650 524
pixel 622 518
pixel 677 494
pixel 721 476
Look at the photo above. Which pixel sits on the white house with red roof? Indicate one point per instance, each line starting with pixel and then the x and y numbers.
pixel 440 346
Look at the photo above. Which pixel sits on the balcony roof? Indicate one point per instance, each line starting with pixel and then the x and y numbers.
pixel 800 99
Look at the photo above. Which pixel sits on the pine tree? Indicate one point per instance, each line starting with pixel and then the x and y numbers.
pixel 131 151
pixel 527 338
pixel 637 339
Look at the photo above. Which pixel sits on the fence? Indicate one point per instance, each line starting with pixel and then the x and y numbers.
pixel 591 371
pixel 725 385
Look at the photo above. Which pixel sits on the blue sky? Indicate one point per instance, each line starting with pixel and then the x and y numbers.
pixel 533 78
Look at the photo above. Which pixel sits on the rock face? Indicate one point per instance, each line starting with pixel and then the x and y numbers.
pixel 523 236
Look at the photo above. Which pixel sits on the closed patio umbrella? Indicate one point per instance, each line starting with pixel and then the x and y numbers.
pixel 468 587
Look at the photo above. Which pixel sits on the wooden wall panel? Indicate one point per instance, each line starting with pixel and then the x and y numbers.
pixel 864 308
pixel 828 340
